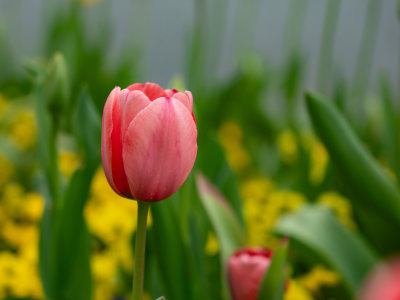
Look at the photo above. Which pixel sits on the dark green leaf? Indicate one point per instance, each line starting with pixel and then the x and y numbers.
pixel 273 283
pixel 371 184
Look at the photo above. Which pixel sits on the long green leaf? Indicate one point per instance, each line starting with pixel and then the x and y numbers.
pixel 227 227
pixel 371 184
pixel 317 228
pixel 273 283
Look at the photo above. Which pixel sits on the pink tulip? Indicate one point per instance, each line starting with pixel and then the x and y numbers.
pixel 149 141
pixel 246 269
pixel 383 283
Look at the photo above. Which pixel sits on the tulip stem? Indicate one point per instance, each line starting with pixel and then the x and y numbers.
pixel 140 246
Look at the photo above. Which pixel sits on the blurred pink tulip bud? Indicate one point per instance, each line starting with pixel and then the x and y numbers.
pixel 246 269
pixel 149 141
pixel 383 282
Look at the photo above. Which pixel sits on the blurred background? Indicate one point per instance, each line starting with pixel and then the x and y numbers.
pixel 64 234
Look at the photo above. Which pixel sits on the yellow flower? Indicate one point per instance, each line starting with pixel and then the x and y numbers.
pixel 17 235
pixel 6 171
pixel 33 206
pixel 18 277
pixel 318 160
pixel 256 188
pixel 319 277
pixel 104 266
pixel 230 134
pixel 23 130
pixel 212 244
pixel 296 291
pixel 68 163
pixel 287 145
pixel 262 207
pixel 340 205
pixel 13 194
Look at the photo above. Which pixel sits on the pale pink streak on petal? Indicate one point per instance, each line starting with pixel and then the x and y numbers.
pixel 190 98
pixel 159 149
pixel 107 125
pixel 135 102
pixel 185 101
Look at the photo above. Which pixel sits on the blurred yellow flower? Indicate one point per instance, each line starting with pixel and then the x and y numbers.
pixel 230 133
pixel 18 277
pixel 12 199
pixel 212 244
pixel 33 206
pixel 6 171
pixel 18 235
pixel 68 162
pixel 262 207
pixel 319 277
pixel 340 205
pixel 104 266
pixel 318 160
pixel 296 291
pixel 23 130
pixel 256 188
pixel 288 148
pixel 230 136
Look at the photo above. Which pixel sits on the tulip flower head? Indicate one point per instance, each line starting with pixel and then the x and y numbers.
pixel 149 141
pixel 246 269
pixel 383 282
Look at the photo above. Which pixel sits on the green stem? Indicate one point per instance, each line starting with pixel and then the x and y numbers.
pixel 140 246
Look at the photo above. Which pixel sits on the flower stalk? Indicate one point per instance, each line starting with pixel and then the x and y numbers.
pixel 140 246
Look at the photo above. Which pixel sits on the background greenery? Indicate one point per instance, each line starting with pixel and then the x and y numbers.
pixel 64 234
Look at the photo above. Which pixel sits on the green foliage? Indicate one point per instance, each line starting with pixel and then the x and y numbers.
pixel 273 283
pixel 317 228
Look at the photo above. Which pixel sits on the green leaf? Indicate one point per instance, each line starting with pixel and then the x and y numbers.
pixel 87 127
pixel 366 178
pixel 211 161
pixel 317 228
pixel 72 247
pixel 226 225
pixel 273 283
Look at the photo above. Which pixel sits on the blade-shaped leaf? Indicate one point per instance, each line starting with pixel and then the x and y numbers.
pixel 273 283
pixel 87 127
pixel 227 227
pixel 317 228
pixel 365 177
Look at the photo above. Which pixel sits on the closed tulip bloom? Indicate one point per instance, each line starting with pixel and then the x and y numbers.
pixel 149 141
pixel 383 282
pixel 246 269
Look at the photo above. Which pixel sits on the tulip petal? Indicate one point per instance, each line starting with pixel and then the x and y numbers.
pixel 159 149
pixel 171 92
pixel 151 90
pixel 107 125
pixel 112 142
pixel 185 100
pixel 135 102
pixel 190 97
